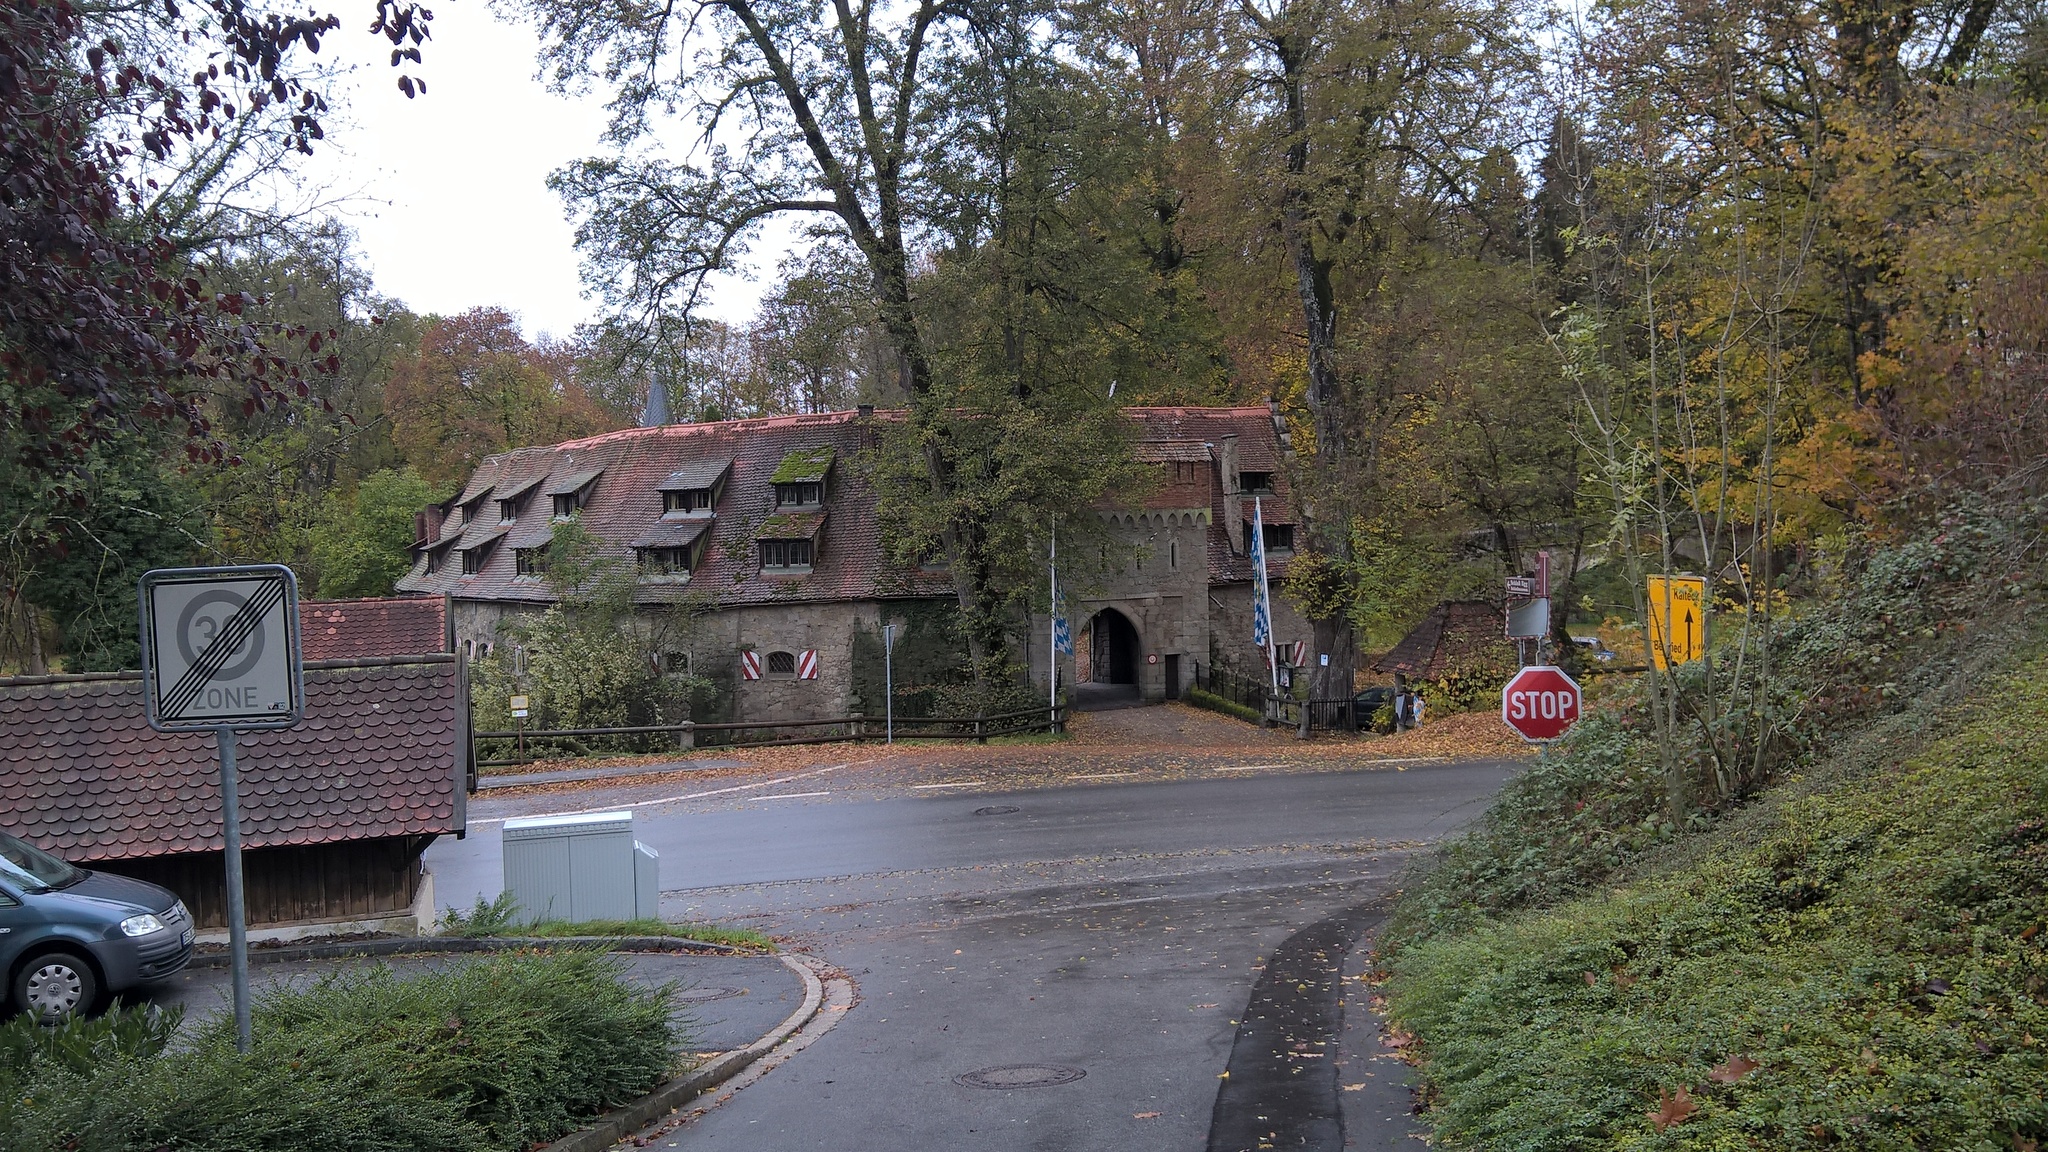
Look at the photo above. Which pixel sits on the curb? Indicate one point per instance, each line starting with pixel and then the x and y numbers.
pixel 413 945
pixel 608 1129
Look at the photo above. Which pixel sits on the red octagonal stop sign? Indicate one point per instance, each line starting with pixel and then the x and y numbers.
pixel 1541 704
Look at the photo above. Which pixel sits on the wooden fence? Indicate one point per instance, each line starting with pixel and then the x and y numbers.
pixel 574 742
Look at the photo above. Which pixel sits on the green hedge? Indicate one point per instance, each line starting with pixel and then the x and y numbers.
pixel 1874 945
pixel 1214 703
pixel 485 1056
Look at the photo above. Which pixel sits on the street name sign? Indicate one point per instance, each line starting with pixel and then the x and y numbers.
pixel 220 648
pixel 1541 704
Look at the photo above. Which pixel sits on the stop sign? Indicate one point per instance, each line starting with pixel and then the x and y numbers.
pixel 1541 704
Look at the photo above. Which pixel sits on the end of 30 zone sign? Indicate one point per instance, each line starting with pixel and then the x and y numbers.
pixel 220 647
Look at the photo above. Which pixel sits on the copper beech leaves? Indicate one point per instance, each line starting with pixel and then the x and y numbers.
pixel 1732 1069
pixel 1672 1108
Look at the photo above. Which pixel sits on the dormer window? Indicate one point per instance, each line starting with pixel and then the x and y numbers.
pixel 801 477
pixel 530 561
pixel 786 554
pixel 473 559
pixel 686 500
pixel 1256 483
pixel 695 487
pixel 665 561
pixel 569 493
pixel 508 510
pixel 789 542
pixel 799 495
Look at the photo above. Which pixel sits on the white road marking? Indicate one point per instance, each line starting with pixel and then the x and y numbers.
pixel 1250 767
pixel 792 795
pixel 1102 776
pixel 668 799
pixel 955 784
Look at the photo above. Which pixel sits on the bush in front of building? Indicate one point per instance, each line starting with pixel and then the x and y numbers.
pixel 1201 698
pixel 491 1056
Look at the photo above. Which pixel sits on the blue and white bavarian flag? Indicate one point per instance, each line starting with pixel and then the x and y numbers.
pixel 1062 636
pixel 1262 619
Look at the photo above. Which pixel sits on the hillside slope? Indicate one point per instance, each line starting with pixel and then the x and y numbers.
pixel 1860 962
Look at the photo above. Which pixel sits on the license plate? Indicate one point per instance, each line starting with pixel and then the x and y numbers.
pixel 185 937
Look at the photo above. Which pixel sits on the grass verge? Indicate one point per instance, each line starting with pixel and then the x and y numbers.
pixel 1856 962
pixel 500 917
pixel 492 1056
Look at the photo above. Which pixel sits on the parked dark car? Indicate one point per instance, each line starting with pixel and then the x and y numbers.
pixel 70 937
pixel 1373 699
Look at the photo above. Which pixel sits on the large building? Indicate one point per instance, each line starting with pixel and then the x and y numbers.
pixel 769 524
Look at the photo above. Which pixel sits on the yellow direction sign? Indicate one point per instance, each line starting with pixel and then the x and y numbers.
pixel 1678 619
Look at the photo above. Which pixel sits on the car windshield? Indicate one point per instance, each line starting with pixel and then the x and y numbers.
pixel 31 867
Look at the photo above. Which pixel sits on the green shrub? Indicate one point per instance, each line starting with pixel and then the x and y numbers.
pixel 1874 944
pixel 493 1055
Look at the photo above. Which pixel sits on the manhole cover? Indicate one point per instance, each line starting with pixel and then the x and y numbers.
pixel 1021 1076
pixel 997 810
pixel 701 995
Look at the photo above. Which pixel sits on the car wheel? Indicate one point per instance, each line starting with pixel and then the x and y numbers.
pixel 56 985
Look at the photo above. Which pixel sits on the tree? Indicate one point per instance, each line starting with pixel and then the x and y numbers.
pixel 850 119
pixel 363 541
pixel 1372 120
pixel 476 388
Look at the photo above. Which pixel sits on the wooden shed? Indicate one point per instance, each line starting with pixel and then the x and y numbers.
pixel 335 812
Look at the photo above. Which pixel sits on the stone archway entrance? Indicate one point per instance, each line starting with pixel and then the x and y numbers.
pixel 1112 648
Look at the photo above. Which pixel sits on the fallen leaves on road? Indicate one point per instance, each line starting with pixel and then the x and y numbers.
pixel 1144 1115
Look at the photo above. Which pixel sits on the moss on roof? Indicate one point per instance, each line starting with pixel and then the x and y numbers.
pixel 789 526
pixel 803 466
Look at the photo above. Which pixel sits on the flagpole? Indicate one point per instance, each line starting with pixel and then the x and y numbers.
pixel 1052 622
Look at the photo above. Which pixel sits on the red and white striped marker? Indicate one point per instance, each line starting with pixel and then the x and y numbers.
pixel 807 664
pixel 750 665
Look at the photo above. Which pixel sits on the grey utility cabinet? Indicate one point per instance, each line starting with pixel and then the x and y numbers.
pixel 583 867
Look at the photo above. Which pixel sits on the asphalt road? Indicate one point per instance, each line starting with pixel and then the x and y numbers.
pixel 1150 936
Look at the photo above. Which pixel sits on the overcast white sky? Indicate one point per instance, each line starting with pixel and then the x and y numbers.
pixel 447 191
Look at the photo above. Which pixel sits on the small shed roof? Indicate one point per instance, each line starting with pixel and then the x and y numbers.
pixel 1456 635
pixel 382 626
pixel 380 753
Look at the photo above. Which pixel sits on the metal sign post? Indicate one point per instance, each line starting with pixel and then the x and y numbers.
pixel 220 653
pixel 888 684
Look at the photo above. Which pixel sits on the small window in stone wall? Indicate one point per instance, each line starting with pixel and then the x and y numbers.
pixel 675 662
pixel 782 663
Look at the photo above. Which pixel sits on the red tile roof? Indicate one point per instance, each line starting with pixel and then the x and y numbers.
pixel 1457 635
pixel 384 626
pixel 379 754
pixel 624 504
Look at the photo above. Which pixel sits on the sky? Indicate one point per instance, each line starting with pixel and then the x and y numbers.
pixel 447 192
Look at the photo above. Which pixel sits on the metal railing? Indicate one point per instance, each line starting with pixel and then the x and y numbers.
pixel 1232 686
pixel 687 735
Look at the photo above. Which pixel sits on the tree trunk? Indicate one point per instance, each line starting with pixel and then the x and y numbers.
pixel 1326 519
